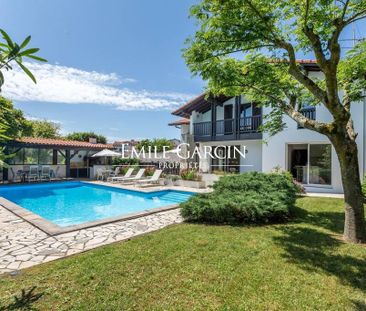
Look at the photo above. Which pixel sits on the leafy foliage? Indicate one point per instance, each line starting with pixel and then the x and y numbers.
pixel 44 129
pixel 159 143
pixel 125 161
pixel 189 174
pixel 84 136
pixel 245 198
pixel 10 52
pixel 249 47
pixel 16 125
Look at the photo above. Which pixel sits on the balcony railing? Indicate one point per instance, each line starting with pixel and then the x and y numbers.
pixel 309 112
pixel 227 128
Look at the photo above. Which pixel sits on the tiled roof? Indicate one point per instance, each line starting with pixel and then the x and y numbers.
pixel 61 143
pixel 180 122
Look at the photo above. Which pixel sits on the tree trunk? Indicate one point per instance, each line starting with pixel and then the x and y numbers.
pixel 354 224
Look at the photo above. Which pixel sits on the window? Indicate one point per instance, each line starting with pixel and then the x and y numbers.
pixel 311 163
pixel 308 112
pixel 45 156
pixel 18 156
pixel 320 164
pixel 30 156
pixel 60 157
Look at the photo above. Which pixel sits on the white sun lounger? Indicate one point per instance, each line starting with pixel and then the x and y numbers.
pixel 138 176
pixel 154 179
pixel 118 178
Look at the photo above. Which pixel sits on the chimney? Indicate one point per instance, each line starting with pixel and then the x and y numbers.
pixel 92 140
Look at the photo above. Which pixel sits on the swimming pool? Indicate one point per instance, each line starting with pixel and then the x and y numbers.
pixel 72 203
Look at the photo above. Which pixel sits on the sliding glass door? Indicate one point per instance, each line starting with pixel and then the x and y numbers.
pixel 311 163
pixel 320 164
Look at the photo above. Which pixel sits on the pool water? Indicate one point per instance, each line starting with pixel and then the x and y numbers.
pixel 72 203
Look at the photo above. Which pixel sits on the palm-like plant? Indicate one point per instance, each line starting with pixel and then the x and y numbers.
pixel 12 52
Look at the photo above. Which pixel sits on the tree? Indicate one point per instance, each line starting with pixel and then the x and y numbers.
pixel 44 129
pixel 250 47
pixel 159 143
pixel 84 136
pixel 16 125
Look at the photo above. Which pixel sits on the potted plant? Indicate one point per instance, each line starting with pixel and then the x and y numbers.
pixel 191 179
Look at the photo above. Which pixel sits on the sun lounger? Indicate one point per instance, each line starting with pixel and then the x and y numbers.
pixel 154 179
pixel 132 179
pixel 119 178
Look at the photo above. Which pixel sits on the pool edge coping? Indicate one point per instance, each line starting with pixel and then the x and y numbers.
pixel 52 229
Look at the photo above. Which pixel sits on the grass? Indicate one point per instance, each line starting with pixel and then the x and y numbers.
pixel 302 265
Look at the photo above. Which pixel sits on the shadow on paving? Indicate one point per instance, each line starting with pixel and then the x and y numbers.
pixel 24 301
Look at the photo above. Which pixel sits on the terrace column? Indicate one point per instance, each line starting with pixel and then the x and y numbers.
pixel 67 162
pixel 236 128
pixel 213 120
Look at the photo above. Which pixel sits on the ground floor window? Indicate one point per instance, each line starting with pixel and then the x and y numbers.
pixel 227 159
pixel 311 163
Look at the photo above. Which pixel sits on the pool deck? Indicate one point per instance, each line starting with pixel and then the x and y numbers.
pixel 23 244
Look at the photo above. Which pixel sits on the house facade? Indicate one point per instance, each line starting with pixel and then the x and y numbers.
pixel 222 123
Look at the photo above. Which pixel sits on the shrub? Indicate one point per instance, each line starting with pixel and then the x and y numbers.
pixel 125 161
pixel 246 198
pixel 190 175
pixel 149 171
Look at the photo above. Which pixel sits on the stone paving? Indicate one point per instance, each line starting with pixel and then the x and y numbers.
pixel 22 245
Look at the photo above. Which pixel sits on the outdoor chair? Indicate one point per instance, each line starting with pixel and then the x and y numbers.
pixel 153 180
pixel 117 178
pixel 45 173
pixel 33 174
pixel 138 176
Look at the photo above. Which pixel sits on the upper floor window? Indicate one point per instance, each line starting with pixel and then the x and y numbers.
pixel 308 112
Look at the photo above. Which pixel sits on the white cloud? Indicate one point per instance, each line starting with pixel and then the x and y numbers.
pixel 61 84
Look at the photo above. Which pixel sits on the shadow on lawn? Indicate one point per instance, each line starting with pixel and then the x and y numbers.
pixel 24 301
pixel 328 220
pixel 316 251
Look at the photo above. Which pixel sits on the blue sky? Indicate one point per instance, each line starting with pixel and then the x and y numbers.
pixel 115 66
pixel 138 40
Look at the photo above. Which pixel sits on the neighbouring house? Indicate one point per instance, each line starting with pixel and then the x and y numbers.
pixel 222 122
pixel 128 144
pixel 66 158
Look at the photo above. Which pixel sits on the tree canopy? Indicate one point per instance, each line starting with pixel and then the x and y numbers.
pixel 250 47
pixel 16 124
pixel 84 136
pixel 159 143
pixel 44 129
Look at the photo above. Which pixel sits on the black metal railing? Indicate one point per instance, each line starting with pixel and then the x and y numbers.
pixel 250 124
pixel 227 127
pixel 308 112
pixel 202 128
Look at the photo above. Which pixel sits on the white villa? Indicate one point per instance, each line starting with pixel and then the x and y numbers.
pixel 309 156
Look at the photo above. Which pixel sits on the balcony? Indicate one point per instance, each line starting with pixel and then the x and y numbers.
pixel 308 112
pixel 228 129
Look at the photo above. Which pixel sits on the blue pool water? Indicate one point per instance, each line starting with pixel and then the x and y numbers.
pixel 71 203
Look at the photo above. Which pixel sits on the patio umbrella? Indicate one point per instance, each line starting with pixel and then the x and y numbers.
pixel 106 153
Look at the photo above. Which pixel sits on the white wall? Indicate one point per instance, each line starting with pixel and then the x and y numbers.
pixel 275 151
pixel 253 157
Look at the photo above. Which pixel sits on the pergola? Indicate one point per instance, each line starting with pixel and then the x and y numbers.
pixel 68 149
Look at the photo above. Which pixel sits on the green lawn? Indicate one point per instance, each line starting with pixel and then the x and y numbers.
pixel 301 265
